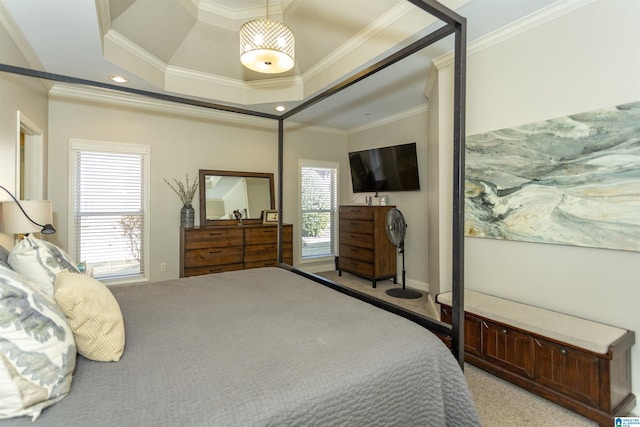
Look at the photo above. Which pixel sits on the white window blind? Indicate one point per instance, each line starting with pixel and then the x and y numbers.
pixel 319 200
pixel 109 215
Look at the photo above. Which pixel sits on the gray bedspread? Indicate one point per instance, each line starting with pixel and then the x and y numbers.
pixel 263 347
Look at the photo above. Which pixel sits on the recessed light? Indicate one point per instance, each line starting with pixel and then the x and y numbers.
pixel 119 79
pixel 281 108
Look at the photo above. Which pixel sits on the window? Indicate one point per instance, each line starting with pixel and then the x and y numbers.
pixel 109 208
pixel 318 207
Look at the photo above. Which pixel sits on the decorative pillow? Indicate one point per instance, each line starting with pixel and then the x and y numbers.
pixel 93 314
pixel 40 261
pixel 4 254
pixel 37 350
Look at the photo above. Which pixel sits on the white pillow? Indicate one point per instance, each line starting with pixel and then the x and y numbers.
pixel 93 314
pixel 40 261
pixel 37 349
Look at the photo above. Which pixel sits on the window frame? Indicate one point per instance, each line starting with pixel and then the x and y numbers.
pixel 305 163
pixel 78 145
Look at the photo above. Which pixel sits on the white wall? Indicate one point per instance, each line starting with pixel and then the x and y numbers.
pixel 584 60
pixel 178 143
pixel 407 128
pixel 23 94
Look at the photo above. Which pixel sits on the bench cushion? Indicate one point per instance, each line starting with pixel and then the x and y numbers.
pixel 586 334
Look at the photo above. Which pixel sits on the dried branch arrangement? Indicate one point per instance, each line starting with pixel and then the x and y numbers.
pixel 185 190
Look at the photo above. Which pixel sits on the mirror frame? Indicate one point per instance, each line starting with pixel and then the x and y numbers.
pixel 204 222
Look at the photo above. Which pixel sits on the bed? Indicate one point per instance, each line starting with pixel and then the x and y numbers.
pixel 272 347
pixel 453 24
pixel 263 347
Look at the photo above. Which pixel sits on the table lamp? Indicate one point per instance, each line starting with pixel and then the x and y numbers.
pixel 26 216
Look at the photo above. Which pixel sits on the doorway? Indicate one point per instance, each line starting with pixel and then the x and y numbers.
pixel 29 160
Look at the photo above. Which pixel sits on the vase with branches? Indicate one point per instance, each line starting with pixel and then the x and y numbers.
pixel 186 191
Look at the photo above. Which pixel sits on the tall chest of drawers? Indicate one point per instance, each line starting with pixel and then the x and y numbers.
pixel 365 249
pixel 205 250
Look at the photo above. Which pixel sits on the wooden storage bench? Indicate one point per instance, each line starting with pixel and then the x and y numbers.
pixel 582 365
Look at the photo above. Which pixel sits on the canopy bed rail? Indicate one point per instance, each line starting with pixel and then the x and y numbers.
pixel 441 329
pixel 454 24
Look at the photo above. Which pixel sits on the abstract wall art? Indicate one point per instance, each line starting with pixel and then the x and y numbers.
pixel 572 180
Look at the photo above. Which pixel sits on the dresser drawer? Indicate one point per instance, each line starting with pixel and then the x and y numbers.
pixel 212 256
pixel 357 226
pixel 356 212
pixel 211 238
pixel 361 254
pixel 287 234
pixel 260 235
pixel 197 271
pixel 259 264
pixel 287 251
pixel 356 239
pixel 355 266
pixel 263 252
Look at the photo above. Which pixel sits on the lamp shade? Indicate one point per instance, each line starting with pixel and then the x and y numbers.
pixel 15 222
pixel 267 46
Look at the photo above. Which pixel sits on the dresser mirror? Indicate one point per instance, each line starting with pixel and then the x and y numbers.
pixel 224 192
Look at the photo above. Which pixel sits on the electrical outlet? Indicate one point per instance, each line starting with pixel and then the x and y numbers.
pixel 163 267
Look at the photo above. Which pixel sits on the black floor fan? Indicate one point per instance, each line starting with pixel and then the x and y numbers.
pixel 396 228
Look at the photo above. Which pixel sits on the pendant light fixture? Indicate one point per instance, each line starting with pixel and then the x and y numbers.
pixel 267 46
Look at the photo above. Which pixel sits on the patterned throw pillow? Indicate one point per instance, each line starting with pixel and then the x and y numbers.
pixel 37 348
pixel 4 254
pixel 93 314
pixel 40 261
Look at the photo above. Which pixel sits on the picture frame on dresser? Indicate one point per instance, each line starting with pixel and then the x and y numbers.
pixel 270 217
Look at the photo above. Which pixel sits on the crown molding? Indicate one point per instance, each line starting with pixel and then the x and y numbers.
pixel 420 109
pixel 354 43
pixel 120 51
pixel 104 18
pixel 228 18
pixel 104 96
pixel 536 19
pixel 23 45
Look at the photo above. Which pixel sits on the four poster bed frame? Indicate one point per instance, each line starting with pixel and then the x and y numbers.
pixel 454 24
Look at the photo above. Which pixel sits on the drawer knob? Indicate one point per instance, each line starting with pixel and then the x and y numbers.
pixel 563 352
pixel 504 331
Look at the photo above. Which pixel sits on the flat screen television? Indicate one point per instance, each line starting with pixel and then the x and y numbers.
pixel 393 168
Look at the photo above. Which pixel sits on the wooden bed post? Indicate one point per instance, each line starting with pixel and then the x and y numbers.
pixel 459 25
pixel 280 184
pixel 457 324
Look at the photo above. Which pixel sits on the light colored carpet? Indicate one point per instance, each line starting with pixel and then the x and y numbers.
pixel 421 305
pixel 499 402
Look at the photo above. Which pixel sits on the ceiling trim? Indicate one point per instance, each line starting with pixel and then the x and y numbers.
pixel 104 18
pixel 420 109
pixel 195 83
pixel 345 60
pixel 228 18
pixel 353 44
pixel 10 25
pixel 120 50
pixel 105 96
pixel 536 19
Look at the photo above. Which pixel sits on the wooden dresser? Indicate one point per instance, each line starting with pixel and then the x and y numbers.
pixel 205 250
pixel 365 249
